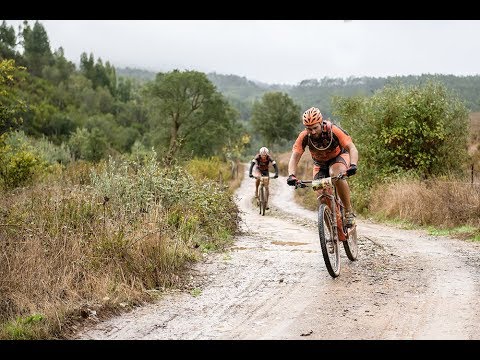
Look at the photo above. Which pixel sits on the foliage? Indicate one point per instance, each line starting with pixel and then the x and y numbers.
pixel 134 74
pixel 45 149
pixel 239 90
pixel 198 117
pixel 100 75
pixel 219 134
pixel 8 41
pixel 24 159
pixel 275 117
pixel 24 328
pixel 212 169
pixel 140 188
pixel 421 130
pixel 19 162
pixel 88 145
pixel 10 106
pixel 62 99
pixel 130 230
pixel 36 45
pixel 235 149
pixel 180 96
pixel 60 71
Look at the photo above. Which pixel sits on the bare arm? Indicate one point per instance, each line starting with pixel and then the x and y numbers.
pixel 352 150
pixel 292 164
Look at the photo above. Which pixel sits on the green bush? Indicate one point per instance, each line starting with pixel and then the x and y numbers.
pixel 17 165
pixel 88 145
pixel 211 168
pixel 22 158
pixel 419 130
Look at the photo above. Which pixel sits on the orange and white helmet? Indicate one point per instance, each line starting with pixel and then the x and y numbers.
pixel 263 151
pixel 312 116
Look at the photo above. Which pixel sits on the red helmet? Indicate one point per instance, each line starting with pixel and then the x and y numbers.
pixel 312 116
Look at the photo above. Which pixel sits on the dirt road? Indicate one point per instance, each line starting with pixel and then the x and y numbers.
pixel 273 284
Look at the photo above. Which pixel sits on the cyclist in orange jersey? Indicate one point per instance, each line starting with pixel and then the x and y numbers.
pixel 332 151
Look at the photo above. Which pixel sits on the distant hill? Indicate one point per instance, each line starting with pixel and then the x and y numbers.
pixel 232 86
pixel 242 92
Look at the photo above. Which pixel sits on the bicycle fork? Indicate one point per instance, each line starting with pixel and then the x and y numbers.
pixel 336 219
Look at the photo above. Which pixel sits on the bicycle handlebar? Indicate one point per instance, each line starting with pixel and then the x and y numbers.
pixel 259 177
pixel 305 183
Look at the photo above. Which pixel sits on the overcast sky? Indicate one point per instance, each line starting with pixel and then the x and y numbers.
pixel 275 51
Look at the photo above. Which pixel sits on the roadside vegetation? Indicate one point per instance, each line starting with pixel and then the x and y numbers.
pixel 99 238
pixel 107 195
pixel 111 188
pixel 419 159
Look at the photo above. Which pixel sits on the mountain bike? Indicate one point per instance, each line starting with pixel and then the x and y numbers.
pixel 332 232
pixel 263 193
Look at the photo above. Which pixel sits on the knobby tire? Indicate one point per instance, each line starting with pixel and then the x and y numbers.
pixel 351 245
pixel 262 200
pixel 325 232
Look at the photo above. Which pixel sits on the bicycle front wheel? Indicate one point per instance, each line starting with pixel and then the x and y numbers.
pixel 328 241
pixel 262 199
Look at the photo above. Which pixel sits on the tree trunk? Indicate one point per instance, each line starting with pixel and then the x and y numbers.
pixel 173 147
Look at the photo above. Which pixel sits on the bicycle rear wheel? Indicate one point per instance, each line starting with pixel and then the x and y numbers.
pixel 262 200
pixel 328 241
pixel 351 244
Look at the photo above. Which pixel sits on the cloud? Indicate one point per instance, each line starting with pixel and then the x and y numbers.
pixel 275 51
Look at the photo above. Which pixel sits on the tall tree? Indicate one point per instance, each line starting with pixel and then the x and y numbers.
pixel 36 47
pixel 100 75
pixel 8 41
pixel 214 131
pixel 87 64
pixel 61 70
pixel 180 96
pixel 275 117
pixel 111 78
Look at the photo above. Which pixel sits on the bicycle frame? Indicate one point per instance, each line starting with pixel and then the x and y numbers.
pixel 263 179
pixel 331 198
pixel 331 226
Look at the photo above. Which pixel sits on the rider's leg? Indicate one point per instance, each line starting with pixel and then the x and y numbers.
pixel 343 192
pixel 342 185
pixel 267 192
pixel 257 183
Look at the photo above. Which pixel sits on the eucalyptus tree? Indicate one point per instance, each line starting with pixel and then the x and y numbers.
pixel 100 75
pixel 220 130
pixel 275 117
pixel 36 46
pixel 191 108
pixel 8 41
pixel 61 70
